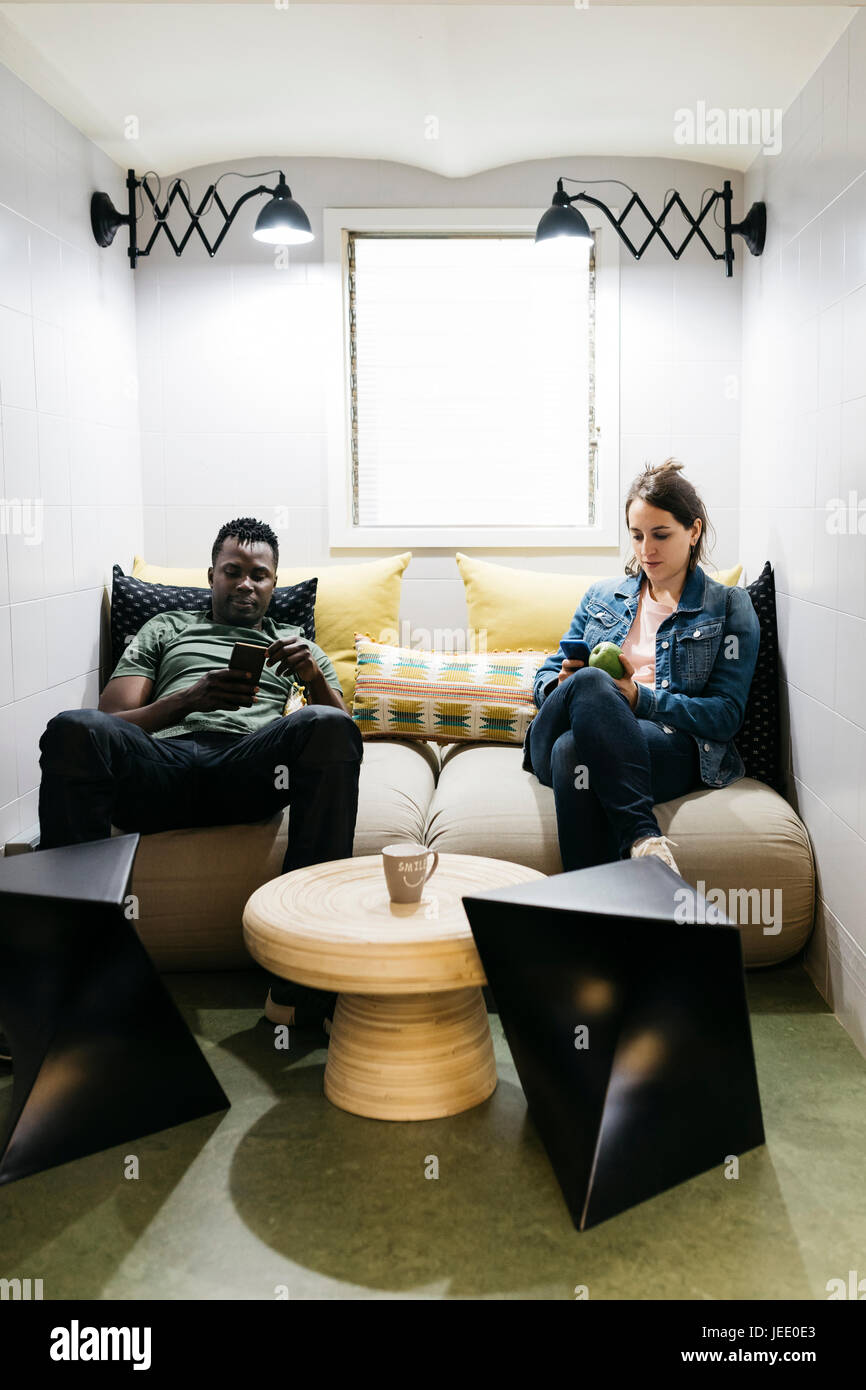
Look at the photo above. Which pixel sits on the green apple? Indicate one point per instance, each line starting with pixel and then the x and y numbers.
pixel 606 657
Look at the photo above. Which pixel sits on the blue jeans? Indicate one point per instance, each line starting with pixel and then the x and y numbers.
pixel 607 768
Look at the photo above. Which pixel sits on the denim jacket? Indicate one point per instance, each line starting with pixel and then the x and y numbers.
pixel 706 652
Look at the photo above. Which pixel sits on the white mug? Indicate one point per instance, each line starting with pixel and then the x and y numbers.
pixel 406 871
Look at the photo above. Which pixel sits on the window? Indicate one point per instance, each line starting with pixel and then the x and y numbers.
pixel 469 395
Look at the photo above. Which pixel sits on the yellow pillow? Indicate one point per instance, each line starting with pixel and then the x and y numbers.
pixel 520 608
pixel 730 578
pixel 528 608
pixel 349 599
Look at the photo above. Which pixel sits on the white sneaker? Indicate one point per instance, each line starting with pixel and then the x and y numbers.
pixel 659 847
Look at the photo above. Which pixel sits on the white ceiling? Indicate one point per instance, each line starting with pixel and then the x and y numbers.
pixel 214 83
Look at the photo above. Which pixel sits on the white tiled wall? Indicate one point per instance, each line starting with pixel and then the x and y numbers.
pixel 803 445
pixel 232 366
pixel 68 426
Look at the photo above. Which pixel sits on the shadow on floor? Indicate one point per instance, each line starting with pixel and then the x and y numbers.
pixel 58 1206
pixel 345 1203
pixel 354 1200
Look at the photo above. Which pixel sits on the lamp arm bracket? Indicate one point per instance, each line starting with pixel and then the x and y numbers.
pixel 177 191
pixel 752 229
pixel 656 224
pixel 105 219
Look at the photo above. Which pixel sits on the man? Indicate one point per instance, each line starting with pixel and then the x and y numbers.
pixel 180 740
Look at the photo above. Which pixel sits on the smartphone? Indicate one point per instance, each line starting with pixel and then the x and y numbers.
pixel 573 650
pixel 248 656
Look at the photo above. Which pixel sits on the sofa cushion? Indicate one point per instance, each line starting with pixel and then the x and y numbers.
pixel 526 608
pixel 398 779
pixel 519 607
pixel 192 885
pixel 740 837
pixel 759 741
pixel 746 837
pixel 350 599
pixel 443 696
pixel 486 804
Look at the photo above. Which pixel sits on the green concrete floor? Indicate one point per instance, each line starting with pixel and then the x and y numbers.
pixel 283 1189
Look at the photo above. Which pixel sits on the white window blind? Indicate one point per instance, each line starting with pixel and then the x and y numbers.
pixel 472 381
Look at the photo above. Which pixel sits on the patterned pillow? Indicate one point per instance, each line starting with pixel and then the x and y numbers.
pixel 758 740
pixel 446 697
pixel 134 601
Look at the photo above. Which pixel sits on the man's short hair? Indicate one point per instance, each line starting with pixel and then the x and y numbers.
pixel 246 530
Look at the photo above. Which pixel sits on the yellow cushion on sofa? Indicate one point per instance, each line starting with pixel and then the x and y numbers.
pixel 520 608
pixel 730 578
pixel 528 608
pixel 349 599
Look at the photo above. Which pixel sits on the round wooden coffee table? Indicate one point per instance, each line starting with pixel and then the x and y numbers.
pixel 410 1038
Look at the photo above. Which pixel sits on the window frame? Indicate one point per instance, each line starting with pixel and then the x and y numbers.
pixel 343 533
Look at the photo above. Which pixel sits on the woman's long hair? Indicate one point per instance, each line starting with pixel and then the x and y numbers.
pixel 665 487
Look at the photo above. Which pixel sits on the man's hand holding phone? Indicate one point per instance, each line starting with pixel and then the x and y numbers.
pixel 221 690
pixel 234 688
pixel 290 656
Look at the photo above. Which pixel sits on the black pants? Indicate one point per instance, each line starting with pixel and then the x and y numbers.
pixel 99 771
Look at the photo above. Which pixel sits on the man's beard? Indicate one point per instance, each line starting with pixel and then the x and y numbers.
pixel 237 615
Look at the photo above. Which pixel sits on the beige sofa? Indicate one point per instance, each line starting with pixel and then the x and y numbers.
pixel 468 799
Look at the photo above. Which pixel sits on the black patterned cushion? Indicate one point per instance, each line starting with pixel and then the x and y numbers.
pixel 759 741
pixel 134 601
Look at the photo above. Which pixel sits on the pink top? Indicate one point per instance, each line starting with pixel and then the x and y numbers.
pixel 640 644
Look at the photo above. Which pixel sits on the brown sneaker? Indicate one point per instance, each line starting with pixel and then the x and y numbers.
pixel 309 1015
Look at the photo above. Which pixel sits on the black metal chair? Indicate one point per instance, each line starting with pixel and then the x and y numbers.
pixel 101 1054
pixel 628 1026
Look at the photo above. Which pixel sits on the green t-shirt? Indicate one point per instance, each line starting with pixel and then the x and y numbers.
pixel 175 649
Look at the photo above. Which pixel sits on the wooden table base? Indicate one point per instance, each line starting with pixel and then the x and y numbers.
pixel 410 1056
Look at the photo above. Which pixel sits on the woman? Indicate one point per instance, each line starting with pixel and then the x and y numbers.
pixel 612 749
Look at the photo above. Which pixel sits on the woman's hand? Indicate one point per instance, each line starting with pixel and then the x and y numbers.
pixel 568 668
pixel 626 683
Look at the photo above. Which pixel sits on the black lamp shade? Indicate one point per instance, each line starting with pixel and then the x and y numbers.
pixel 562 220
pixel 282 221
